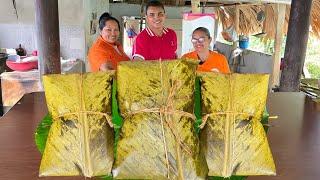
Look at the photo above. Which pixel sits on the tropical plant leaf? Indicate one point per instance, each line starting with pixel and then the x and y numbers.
pixel 80 140
pixel 116 118
pixel 43 128
pixel 233 105
pixel 230 178
pixel 197 104
pixel 265 120
pixel 107 177
pixel 158 139
pixel 42 132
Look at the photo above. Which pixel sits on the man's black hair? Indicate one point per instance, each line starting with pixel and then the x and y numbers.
pixel 154 3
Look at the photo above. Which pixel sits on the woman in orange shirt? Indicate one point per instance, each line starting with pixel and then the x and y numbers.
pixel 107 52
pixel 210 61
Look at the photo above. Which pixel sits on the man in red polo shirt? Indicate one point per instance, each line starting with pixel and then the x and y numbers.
pixel 156 41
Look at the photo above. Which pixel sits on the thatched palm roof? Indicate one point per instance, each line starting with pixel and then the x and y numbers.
pixel 183 2
pixel 249 24
pixel 315 18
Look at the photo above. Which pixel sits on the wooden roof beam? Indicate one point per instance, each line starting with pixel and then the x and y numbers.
pixel 281 15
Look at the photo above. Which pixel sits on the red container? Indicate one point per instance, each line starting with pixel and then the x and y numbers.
pixel 22 66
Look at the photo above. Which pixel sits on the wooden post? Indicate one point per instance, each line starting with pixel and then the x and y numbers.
pixel 276 59
pixel 195 6
pixel 236 21
pixel 48 42
pixel 237 18
pixel 216 25
pixel 296 45
pixel 265 18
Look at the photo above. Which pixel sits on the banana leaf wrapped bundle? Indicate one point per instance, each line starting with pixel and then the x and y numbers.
pixel 80 140
pixel 158 139
pixel 233 138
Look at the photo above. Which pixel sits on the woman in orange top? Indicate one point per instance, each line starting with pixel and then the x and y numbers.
pixel 209 61
pixel 107 52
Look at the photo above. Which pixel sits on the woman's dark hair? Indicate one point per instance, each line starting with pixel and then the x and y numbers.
pixel 154 3
pixel 106 17
pixel 204 30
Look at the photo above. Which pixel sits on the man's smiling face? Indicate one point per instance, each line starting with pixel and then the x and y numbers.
pixel 155 17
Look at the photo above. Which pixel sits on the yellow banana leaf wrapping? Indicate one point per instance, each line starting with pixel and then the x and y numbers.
pixel 80 140
pixel 233 138
pixel 158 139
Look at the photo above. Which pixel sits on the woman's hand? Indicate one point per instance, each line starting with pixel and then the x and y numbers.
pixel 215 70
pixel 106 66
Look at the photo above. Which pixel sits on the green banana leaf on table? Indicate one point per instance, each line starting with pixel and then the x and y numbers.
pixel 42 132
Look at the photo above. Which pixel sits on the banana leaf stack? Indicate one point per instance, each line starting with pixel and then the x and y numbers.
pixel 233 139
pixel 80 140
pixel 158 139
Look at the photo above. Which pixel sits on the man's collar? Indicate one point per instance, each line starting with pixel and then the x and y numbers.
pixel 150 33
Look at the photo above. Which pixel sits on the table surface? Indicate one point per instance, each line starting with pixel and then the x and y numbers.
pixel 294 138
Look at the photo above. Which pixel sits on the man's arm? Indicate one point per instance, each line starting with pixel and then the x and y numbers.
pixel 138 49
